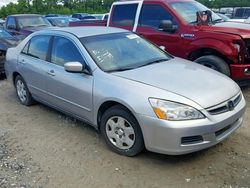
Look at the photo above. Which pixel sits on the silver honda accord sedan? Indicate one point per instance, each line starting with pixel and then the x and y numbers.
pixel 136 94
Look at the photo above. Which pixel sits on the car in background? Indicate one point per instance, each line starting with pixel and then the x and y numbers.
pixel 223 17
pixel 61 21
pixel 2 23
pixel 101 16
pixel 79 16
pixel 241 13
pixel 25 24
pixel 247 20
pixel 101 75
pixel 6 41
pixel 227 19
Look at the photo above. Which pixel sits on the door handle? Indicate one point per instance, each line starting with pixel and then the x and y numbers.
pixel 22 62
pixel 51 73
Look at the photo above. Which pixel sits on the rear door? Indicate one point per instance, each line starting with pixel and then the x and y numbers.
pixel 71 92
pixel 124 14
pixel 152 14
pixel 32 65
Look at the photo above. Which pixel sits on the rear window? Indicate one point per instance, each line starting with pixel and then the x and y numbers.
pixel 124 15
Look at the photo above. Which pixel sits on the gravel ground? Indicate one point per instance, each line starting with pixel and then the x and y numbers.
pixel 40 147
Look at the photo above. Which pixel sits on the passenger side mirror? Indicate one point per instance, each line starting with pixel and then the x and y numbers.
pixel 167 26
pixel 74 67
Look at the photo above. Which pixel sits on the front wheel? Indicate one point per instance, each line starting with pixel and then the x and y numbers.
pixel 121 131
pixel 215 63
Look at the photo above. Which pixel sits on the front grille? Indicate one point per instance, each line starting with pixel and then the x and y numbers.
pixel 247 43
pixel 224 107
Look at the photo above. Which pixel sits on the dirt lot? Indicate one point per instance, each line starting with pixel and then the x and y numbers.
pixel 40 147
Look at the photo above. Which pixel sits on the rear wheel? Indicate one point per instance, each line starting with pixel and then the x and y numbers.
pixel 22 91
pixel 121 131
pixel 215 63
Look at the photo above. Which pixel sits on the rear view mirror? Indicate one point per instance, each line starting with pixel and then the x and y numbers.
pixel 167 26
pixel 74 67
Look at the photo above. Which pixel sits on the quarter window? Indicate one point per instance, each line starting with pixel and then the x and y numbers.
pixel 38 47
pixel 152 15
pixel 124 15
pixel 64 51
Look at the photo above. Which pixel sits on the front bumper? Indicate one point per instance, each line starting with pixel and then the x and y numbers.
pixel 240 72
pixel 181 137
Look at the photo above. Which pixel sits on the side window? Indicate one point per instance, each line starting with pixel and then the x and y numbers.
pixel 64 51
pixel 152 15
pixel 38 47
pixel 11 24
pixel 124 15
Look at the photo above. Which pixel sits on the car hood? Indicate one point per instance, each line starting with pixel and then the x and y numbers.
pixel 29 30
pixel 195 82
pixel 6 43
pixel 235 28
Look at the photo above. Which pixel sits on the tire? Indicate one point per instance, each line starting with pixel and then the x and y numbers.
pixel 215 63
pixel 121 131
pixel 22 92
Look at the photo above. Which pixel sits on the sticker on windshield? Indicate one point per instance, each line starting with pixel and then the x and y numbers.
pixel 132 36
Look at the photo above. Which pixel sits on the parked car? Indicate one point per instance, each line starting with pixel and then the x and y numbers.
pixel 1 23
pixel 227 19
pixel 104 80
pixel 223 17
pixel 61 21
pixel 6 41
pixel 25 24
pixel 79 16
pixel 241 13
pixel 101 16
pixel 223 46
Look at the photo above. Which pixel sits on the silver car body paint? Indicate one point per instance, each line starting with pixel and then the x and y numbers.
pixel 81 95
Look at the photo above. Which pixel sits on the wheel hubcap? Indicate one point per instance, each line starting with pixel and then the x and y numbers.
pixel 21 91
pixel 120 132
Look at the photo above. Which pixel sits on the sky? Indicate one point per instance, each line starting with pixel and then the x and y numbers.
pixel 4 2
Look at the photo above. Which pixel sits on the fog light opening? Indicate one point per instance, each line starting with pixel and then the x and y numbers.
pixel 247 71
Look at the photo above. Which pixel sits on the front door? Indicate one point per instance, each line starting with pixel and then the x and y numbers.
pixel 149 27
pixel 71 92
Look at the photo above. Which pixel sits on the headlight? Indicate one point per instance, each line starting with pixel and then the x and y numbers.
pixel 173 111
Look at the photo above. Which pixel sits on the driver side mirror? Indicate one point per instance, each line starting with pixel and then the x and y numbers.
pixel 167 26
pixel 74 67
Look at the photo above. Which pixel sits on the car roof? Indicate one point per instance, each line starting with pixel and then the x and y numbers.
pixel 25 15
pixel 86 31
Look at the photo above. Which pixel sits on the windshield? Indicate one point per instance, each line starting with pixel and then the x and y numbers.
pixel 187 10
pixel 4 34
pixel 34 21
pixel 122 51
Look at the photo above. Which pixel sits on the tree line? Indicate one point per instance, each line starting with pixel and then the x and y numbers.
pixel 89 6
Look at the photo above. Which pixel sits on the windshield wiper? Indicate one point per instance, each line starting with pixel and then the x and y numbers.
pixel 153 62
pixel 121 69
